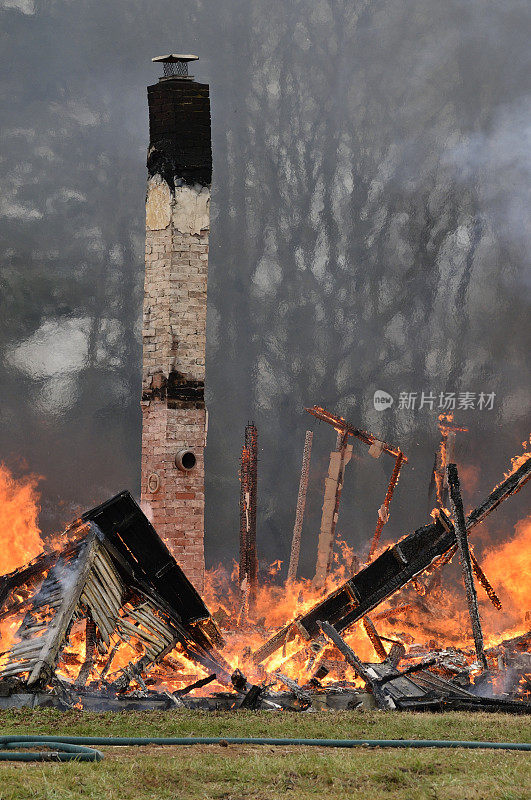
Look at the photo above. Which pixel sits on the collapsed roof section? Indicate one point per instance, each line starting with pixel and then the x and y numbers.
pixel 117 574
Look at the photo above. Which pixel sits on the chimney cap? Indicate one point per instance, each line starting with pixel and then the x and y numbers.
pixel 174 58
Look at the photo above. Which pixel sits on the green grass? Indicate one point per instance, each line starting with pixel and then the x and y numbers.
pixel 266 773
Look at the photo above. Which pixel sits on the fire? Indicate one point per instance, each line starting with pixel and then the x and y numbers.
pixel 517 461
pixel 432 610
pixel 509 568
pixel 429 613
pixel 275 605
pixel 19 511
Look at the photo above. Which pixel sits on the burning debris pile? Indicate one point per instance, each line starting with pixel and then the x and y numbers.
pixel 107 619
pixel 104 612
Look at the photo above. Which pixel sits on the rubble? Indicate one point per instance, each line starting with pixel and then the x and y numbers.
pixel 393 569
pixel 108 620
pixel 116 576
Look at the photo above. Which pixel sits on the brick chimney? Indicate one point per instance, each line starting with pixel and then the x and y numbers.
pixel 174 327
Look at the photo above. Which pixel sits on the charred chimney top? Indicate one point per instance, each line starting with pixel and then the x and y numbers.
pixel 175 66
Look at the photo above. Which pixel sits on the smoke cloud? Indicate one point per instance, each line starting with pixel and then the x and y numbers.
pixel 370 231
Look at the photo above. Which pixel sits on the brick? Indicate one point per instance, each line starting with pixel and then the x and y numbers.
pixel 174 327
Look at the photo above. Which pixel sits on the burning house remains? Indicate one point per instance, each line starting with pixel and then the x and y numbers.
pixel 107 618
pixel 112 615
pixel 112 591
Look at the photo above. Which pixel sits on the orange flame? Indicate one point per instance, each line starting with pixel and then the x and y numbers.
pixel 434 614
pixel 19 510
pixel 508 567
pixel 517 461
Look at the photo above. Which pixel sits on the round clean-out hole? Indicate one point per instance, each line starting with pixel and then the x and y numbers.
pixel 185 460
pixel 188 460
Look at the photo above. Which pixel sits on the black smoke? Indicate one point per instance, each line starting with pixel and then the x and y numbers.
pixel 370 230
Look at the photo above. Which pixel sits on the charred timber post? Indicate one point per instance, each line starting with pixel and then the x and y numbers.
pixel 301 504
pixel 332 497
pixel 244 516
pixel 373 635
pixel 466 563
pixel 248 572
pixel 251 434
pixel 383 512
pixel 444 456
pixel 350 656
pixel 174 424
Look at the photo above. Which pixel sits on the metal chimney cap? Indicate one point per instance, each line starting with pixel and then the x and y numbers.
pixel 174 58
pixel 175 66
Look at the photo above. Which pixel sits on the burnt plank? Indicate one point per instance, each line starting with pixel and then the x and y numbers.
pixel 466 562
pixel 394 568
pixel 125 526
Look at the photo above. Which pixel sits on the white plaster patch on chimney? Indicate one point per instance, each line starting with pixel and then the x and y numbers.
pixel 158 204
pixel 191 212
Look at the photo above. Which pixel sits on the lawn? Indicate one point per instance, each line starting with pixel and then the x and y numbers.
pixel 238 772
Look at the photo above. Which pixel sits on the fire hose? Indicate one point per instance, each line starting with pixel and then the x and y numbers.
pixel 79 748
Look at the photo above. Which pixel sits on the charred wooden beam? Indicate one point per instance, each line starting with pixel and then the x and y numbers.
pixel 383 512
pixel 485 583
pixel 342 426
pixel 391 612
pixel 395 567
pixel 430 662
pixel 248 507
pixel 511 485
pixel 466 563
pixel 196 685
pixel 110 657
pixel 350 656
pixel 357 665
pixel 392 570
pixel 443 456
pixel 485 704
pixel 376 642
pixel 396 653
pixel 274 643
pixel 301 504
